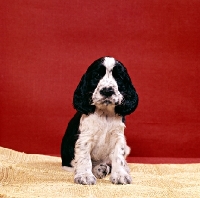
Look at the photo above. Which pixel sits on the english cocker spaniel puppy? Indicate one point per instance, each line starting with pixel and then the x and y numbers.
pixel 94 144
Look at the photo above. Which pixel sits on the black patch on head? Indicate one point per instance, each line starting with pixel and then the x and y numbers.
pixel 83 94
pixel 126 88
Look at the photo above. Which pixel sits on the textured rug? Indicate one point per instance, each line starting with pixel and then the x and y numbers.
pixel 27 175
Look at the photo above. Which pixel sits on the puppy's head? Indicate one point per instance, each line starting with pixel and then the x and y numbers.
pixel 106 83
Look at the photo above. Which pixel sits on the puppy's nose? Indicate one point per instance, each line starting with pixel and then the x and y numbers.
pixel 107 91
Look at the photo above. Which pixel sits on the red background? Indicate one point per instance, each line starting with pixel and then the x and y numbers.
pixel 47 45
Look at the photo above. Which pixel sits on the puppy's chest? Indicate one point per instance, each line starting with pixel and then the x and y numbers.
pixel 102 132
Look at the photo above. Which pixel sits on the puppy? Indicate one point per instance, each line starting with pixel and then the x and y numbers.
pixel 94 144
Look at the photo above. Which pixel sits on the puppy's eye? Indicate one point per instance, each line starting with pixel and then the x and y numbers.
pixel 117 75
pixel 97 75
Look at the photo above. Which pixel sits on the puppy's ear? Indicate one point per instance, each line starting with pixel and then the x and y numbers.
pixel 82 97
pixel 126 88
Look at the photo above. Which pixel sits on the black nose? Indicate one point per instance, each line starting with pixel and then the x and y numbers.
pixel 107 91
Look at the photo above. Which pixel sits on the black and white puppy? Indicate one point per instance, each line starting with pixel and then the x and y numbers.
pixel 94 144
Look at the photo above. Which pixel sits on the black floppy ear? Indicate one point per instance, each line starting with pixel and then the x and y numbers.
pixel 82 97
pixel 126 88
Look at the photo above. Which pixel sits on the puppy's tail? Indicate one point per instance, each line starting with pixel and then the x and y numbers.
pixel 67 168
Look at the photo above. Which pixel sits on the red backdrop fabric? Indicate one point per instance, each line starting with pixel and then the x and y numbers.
pixel 46 46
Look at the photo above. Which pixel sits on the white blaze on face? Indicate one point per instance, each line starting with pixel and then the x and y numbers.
pixel 109 63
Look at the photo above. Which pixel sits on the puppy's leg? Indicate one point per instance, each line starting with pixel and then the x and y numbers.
pixel 120 173
pixel 83 164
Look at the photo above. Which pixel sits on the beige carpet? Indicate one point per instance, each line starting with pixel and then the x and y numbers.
pixel 25 175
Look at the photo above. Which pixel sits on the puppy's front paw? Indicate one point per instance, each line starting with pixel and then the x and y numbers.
pixel 120 178
pixel 85 179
